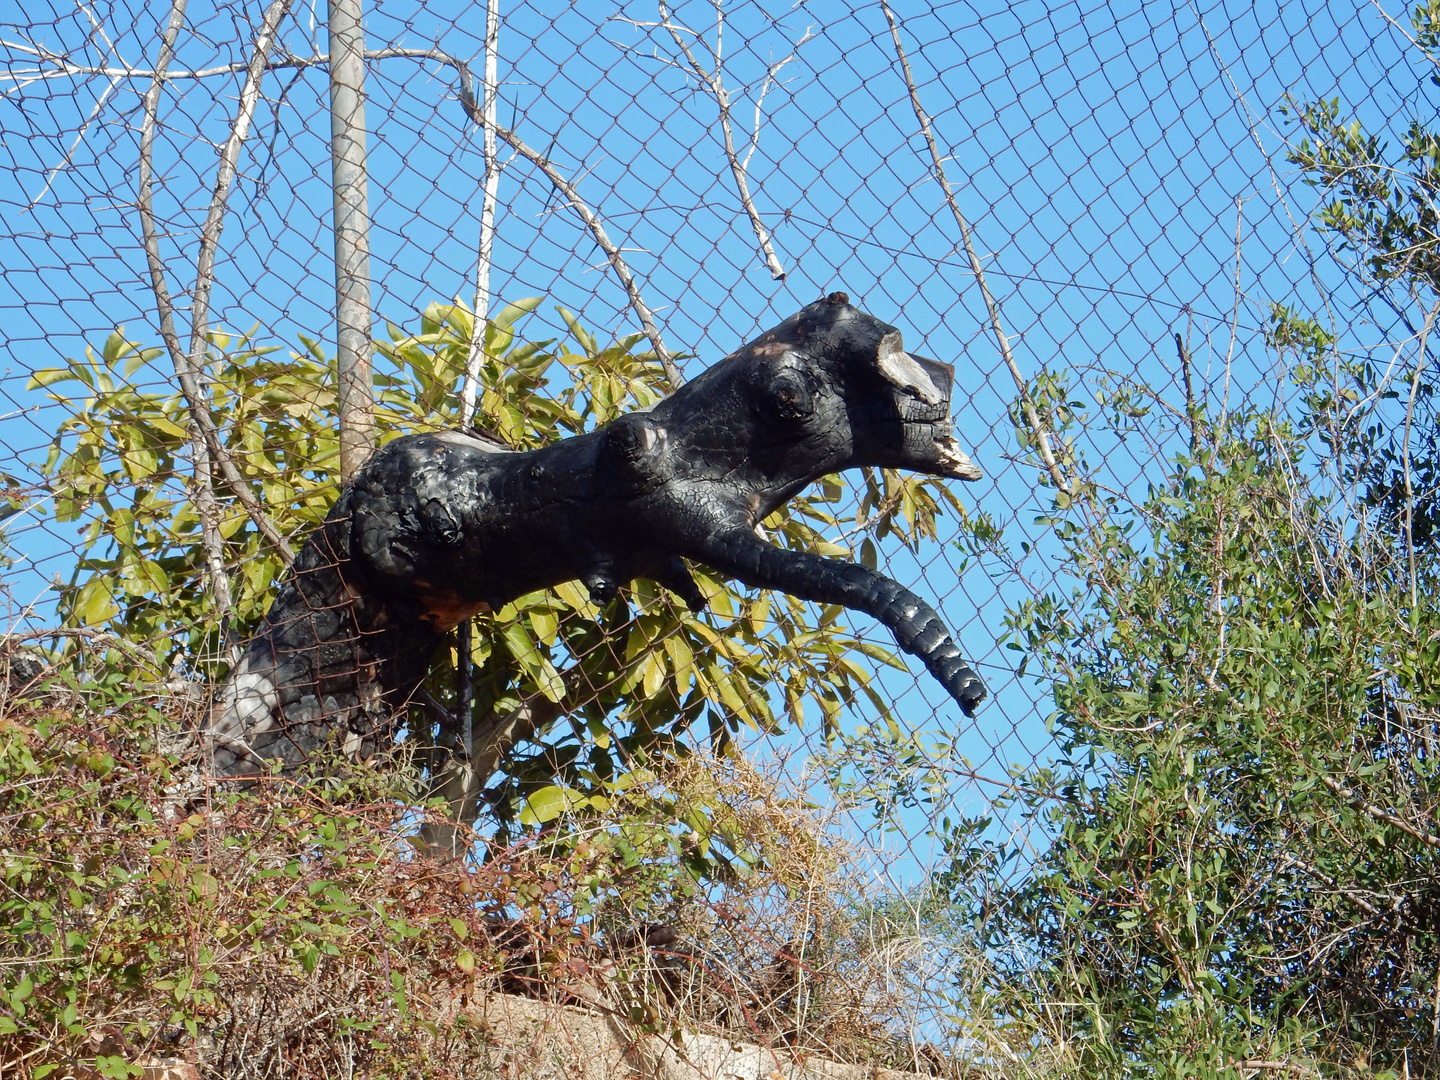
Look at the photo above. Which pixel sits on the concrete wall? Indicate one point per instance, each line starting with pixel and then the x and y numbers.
pixel 537 1041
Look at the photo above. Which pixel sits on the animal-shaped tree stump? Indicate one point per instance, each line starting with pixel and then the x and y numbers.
pixel 438 527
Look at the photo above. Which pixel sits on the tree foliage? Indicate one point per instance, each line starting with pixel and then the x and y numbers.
pixel 1245 860
pixel 1244 867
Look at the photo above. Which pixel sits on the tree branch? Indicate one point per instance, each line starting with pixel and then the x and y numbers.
pixel 461 780
pixel 1409 416
pixel 1368 809
pixel 738 169
pixel 1234 319
pixel 1027 406
pixel 617 261
pixel 94 634
pixel 467 99
pixel 470 388
pixel 66 69
pixel 209 451
pixel 588 216
pixel 1269 1065
pixel 202 482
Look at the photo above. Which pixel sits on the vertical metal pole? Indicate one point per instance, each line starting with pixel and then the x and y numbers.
pixel 470 388
pixel 352 234
pixel 465 685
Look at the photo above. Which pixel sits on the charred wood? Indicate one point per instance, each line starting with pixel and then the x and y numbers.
pixel 438 527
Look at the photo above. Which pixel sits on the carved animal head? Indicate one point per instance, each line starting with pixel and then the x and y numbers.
pixel 828 389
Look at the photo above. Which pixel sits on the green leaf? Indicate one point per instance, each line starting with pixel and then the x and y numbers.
pixel 309 957
pixel 536 665
pixel 543 805
pixel 544 625
pixel 50 376
pixel 653 674
pixel 22 992
pixel 96 605
pixel 512 311
pixel 576 598
pixel 139 359
pixel 115 346
pixel 583 336
pixel 682 659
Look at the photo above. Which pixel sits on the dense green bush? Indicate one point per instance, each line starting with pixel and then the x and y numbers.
pixel 1244 867
pixel 1246 860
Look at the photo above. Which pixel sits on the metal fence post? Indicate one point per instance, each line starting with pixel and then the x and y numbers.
pixel 352 234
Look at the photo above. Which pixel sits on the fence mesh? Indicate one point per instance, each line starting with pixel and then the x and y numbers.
pixel 1121 171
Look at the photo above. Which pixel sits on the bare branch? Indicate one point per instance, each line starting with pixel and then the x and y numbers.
pixel 1405 451
pixel 145 197
pixel 715 84
pixel 225 178
pixel 94 634
pixel 23 48
pixel 1370 810
pixel 1330 883
pixel 475 357
pixel 65 69
pixel 207 447
pixel 1269 1065
pixel 79 136
pixel 95 112
pixel 1234 320
pixel 1027 406
pixel 467 100
pixel 588 216
pixel 617 261
pixel 190 368
pixel 1191 416
pixel 770 80
pixel 201 486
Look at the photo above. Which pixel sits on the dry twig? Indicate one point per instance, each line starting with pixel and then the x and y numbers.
pixel 1027 405
pixel 209 451
pixel 714 82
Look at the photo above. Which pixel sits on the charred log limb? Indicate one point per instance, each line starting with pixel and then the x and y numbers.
pixel 438 527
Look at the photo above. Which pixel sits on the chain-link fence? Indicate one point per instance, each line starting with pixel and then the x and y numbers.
pixel 1064 201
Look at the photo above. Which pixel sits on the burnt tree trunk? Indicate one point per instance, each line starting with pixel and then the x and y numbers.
pixel 437 527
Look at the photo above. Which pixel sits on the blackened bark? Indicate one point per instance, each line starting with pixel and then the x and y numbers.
pixel 436 528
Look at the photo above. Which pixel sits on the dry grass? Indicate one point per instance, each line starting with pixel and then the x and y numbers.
pixel 291 929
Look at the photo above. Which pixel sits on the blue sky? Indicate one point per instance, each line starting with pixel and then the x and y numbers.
pixel 1098 149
